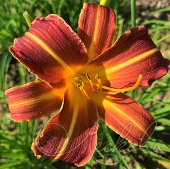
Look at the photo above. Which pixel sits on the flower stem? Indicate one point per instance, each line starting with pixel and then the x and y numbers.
pixel 117 157
pixel 133 13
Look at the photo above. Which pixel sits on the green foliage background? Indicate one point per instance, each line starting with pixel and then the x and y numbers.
pixel 16 138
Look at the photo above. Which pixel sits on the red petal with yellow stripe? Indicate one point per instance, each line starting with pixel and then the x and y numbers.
pixel 97 26
pixel 126 117
pixel 134 53
pixel 71 135
pixel 50 50
pixel 33 100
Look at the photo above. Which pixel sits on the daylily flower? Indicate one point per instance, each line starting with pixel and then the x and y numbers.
pixel 81 78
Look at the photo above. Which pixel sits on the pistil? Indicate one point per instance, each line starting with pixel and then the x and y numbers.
pixel 125 89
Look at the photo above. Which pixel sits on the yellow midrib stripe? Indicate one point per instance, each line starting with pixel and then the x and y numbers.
pixel 70 132
pixel 50 51
pixel 32 100
pixel 131 61
pixel 94 36
pixel 114 107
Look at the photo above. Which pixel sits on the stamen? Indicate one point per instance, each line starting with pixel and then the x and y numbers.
pixel 80 84
pixel 82 89
pixel 85 93
pixel 99 85
pixel 125 89
pixel 91 83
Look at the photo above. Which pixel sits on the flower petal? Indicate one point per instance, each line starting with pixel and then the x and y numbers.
pixel 134 53
pixel 32 100
pixel 97 26
pixel 70 135
pixel 126 117
pixel 50 50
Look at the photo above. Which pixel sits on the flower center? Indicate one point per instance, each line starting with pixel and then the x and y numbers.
pixel 97 87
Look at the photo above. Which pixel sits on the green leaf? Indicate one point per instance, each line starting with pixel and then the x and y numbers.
pixel 161 10
pixel 162 111
pixel 158 22
pixel 154 155
pixel 156 144
pixel 164 121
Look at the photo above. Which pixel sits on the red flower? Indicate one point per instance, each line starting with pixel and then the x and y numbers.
pixel 82 78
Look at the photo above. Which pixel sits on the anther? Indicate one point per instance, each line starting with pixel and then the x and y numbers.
pixel 91 83
pixel 99 85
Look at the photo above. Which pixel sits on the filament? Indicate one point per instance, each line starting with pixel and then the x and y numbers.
pixel 99 85
pixel 91 83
